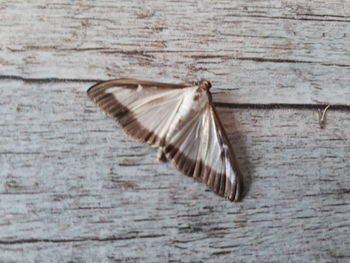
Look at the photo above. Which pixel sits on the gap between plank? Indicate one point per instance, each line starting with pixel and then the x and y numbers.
pixel 218 104
pixel 282 106
pixel 86 239
pixel 45 80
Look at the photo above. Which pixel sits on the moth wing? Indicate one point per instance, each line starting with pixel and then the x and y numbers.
pixel 144 109
pixel 201 149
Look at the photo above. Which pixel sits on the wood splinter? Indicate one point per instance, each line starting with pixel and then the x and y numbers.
pixel 322 115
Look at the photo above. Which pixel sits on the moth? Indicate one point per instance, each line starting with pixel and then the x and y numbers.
pixel 181 121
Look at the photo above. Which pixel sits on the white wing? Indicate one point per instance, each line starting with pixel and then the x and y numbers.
pixel 179 119
pixel 145 110
pixel 200 149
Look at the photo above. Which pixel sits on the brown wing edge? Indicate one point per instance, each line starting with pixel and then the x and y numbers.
pixel 217 182
pixel 124 117
pixel 233 158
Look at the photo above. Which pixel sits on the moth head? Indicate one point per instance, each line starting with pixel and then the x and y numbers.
pixel 204 84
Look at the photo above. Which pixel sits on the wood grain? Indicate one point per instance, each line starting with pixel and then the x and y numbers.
pixel 74 188
pixel 265 51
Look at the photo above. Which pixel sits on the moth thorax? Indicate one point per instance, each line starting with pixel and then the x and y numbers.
pixel 204 84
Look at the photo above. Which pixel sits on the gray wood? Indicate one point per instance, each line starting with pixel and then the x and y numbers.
pixel 74 188
pixel 266 51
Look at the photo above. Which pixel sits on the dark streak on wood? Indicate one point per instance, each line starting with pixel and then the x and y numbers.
pixel 299 18
pixel 282 106
pixel 85 239
pixel 268 60
pixel 46 80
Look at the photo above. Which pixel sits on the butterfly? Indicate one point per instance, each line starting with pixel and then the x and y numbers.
pixel 181 121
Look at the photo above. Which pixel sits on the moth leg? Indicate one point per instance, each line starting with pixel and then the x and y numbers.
pixel 161 155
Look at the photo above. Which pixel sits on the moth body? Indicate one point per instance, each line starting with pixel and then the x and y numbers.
pixel 194 100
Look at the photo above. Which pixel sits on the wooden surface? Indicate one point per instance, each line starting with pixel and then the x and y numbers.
pixel 73 188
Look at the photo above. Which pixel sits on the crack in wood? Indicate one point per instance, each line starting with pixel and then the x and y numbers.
pixel 343 107
pixel 71 240
pixel 267 60
pixel 296 18
pixel 273 106
pixel 46 80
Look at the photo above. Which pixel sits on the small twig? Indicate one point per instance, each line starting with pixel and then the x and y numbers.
pixel 322 115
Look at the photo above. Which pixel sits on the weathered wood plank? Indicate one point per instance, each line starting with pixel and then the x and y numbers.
pixel 73 187
pixel 254 52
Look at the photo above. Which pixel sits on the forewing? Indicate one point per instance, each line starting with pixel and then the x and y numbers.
pixel 201 149
pixel 144 109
